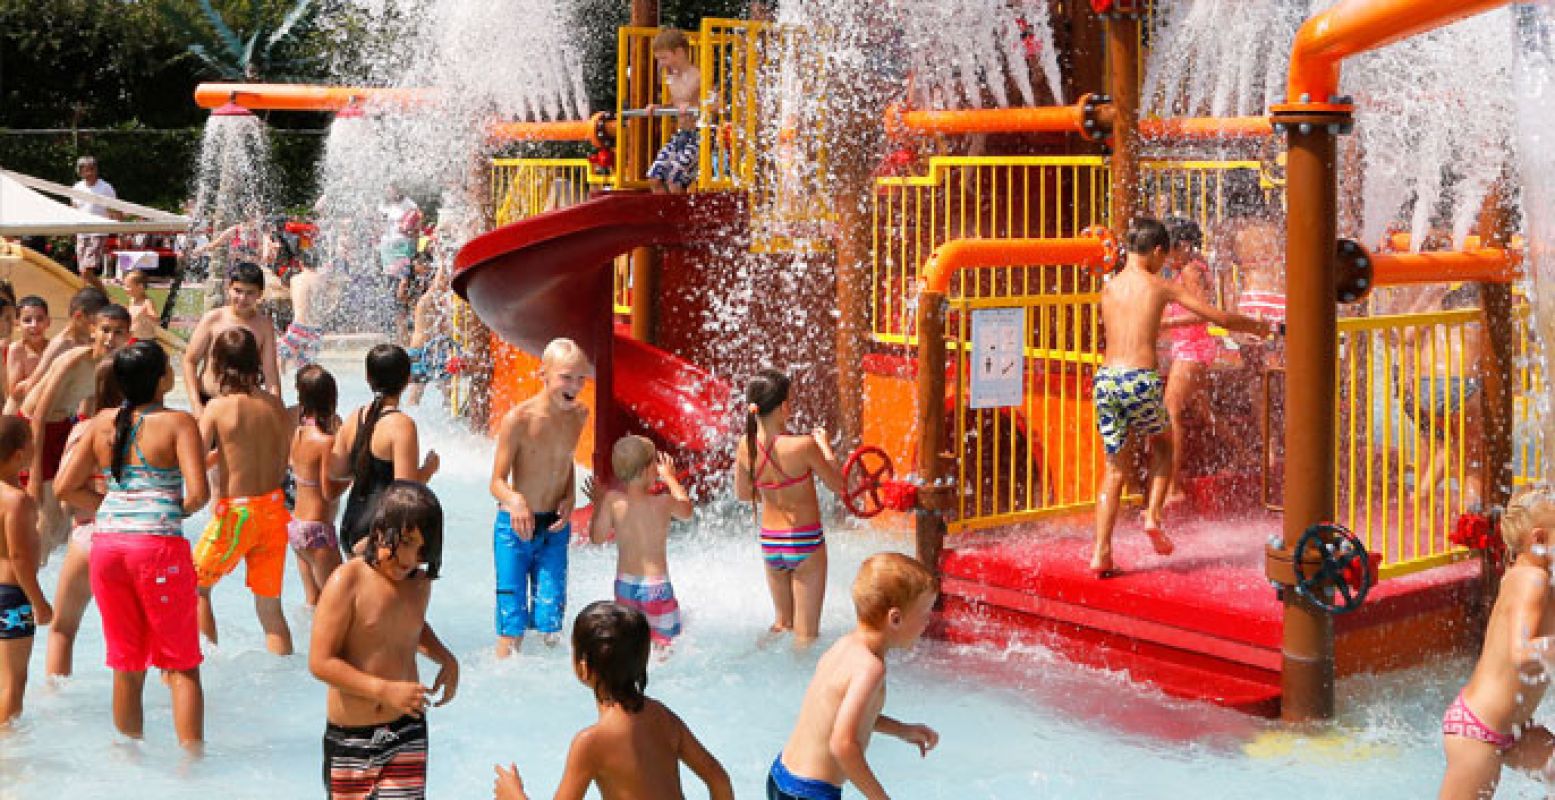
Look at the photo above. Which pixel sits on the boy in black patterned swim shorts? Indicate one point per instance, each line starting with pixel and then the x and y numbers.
pixel 1129 392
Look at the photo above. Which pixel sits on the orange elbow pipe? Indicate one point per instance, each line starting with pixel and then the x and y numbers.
pixel 1046 119
pixel 1484 265
pixel 1093 248
pixel 1205 128
pixel 1356 26
pixel 297 96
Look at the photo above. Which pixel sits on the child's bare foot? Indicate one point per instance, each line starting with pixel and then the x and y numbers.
pixel 507 646
pixel 552 639
pixel 1159 540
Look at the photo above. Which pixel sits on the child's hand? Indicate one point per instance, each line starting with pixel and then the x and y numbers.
pixel 446 685
pixel 563 516
pixel 590 490
pixel 666 467
pixel 406 697
pixel 508 786
pixel 522 519
pixel 42 613
pixel 922 735
pixel 430 464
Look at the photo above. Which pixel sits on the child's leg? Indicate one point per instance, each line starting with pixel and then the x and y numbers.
pixel 1107 499
pixel 550 579
pixel 656 186
pixel 1161 461
pixel 1180 386
pixel 188 705
pixel 128 713
pixel 207 614
pixel 808 590
pixel 510 557
pixel 311 585
pixel 71 597
pixel 322 563
pixel 781 584
pixel 272 619
pixel 14 654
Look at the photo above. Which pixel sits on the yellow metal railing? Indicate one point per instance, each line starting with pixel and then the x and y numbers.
pixel 1527 391
pixel 1409 435
pixel 524 187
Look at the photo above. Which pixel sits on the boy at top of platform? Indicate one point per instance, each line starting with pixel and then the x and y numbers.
pixel 675 167
pixel 1490 723
pixel 245 287
pixel 893 597
pixel 532 480
pixel 1129 393
pixel 641 522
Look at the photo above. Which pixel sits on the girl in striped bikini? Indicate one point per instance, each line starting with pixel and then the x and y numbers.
pixel 781 470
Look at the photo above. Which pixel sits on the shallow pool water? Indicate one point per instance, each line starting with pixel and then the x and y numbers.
pixel 1017 723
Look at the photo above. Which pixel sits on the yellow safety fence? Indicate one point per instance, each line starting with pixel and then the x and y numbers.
pixel 1527 390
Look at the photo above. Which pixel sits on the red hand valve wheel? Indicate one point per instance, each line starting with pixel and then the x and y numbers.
pixel 867 469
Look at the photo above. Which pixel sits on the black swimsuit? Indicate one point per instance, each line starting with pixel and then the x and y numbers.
pixel 359 503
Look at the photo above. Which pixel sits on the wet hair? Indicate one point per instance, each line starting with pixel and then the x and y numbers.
pixel 886 581
pixel 1185 232
pixel 14 435
pixel 407 506
pixel 7 291
pixel 115 312
pixel 631 455
pixel 87 302
pixel 614 643
pixel 108 393
pixel 763 395
pixel 138 369
pixel 1465 296
pixel 317 396
pixel 235 359
pixel 33 301
pixel 388 371
pixel 246 272
pixel 1145 235
pixel 671 39
pixel 562 350
pixel 1524 511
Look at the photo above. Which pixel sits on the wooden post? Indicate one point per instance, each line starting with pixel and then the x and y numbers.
pixel 645 260
pixel 1123 85
pixel 929 530
pixel 1495 369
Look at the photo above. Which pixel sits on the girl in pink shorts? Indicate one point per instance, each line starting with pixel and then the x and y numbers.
pixel 142 573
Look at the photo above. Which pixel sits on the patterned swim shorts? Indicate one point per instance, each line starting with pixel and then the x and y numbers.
pixel 676 163
pixel 1128 399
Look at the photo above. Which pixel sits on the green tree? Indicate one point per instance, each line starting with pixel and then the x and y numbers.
pixel 263 42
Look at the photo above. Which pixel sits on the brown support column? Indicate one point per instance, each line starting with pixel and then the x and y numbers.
pixel 1123 85
pixel 1495 230
pixel 1311 348
pixel 852 245
pixel 645 260
pixel 935 494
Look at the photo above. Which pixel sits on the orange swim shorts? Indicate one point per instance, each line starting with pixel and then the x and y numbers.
pixel 247 529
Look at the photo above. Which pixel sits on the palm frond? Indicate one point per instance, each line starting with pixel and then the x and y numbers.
pixel 229 39
pixel 223 69
pixel 300 14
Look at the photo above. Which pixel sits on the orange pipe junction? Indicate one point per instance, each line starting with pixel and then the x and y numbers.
pixel 1094 248
pixel 1356 26
pixel 1483 265
pixel 299 97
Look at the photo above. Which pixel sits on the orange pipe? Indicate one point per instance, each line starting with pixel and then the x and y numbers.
pixel 958 254
pixel 1356 26
pixel 1400 241
pixel 1043 119
pixel 1201 128
pixel 1484 265
pixel 298 97
pixel 578 130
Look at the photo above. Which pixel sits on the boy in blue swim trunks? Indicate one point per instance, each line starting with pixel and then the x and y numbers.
pixel 1129 392
pixel 675 167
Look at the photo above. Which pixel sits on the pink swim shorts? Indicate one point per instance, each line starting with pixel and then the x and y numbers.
pixel 146 591
pixel 1461 721
pixel 1194 343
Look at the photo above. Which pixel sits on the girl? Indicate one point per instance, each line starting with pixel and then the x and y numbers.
pixel 141 567
pixel 312 529
pixel 377 445
pixel 781 470
pixel 75 589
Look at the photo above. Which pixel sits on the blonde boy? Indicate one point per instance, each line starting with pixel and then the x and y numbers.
pixel 1490 723
pixel 675 167
pixel 641 522
pixel 532 480
pixel 893 597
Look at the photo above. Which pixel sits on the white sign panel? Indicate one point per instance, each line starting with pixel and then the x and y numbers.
pixel 998 358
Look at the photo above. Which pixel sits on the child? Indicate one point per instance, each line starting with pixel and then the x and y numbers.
pixel 21 361
pixel 142 572
pixel 1491 721
pixel 1192 349
pixel 781 470
pixel 1441 392
pixel 300 345
pixel 245 287
pixel 370 623
pixel 1128 389
pixel 144 317
pixel 312 529
pixel 431 339
pixel 377 445
pixel 675 167
pixel 638 745
pixel 83 309
pixel 22 605
pixel 641 522
pixel 248 430
pixel 893 597
pixel 532 480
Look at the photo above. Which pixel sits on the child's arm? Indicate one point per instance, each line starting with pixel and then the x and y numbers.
pixel 501 466
pixel 191 462
pixel 569 498
pixel 580 769
pixel 15 371
pixel 1225 319
pixel 824 462
pixel 267 360
pixel 447 680
pixel 844 743
pixel 331 488
pixel 332 620
pixel 508 786
pixel 406 448
pixel 701 762
pixel 199 346
pixel 73 484
pixel 21 540
pixel 1528 595
pixel 40 409
pixel 922 735
pixel 337 465
pixel 744 488
pixel 680 501
pixel 603 522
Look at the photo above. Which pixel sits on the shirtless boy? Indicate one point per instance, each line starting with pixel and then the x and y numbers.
pixel 83 309
pixel 1129 392
pixel 63 395
pixel 675 167
pixel 532 480
pixel 250 431
pixel 369 626
pixel 893 597
pixel 431 339
pixel 300 345
pixel 641 522
pixel 22 605
pixel 1490 724
pixel 144 318
pixel 245 286
pixel 21 361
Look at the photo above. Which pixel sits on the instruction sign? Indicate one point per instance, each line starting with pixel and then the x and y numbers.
pixel 998 358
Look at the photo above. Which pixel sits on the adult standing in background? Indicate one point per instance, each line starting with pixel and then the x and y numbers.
pixel 90 246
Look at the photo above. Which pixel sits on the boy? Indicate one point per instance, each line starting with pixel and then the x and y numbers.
pixel 82 310
pixel 1128 389
pixel 1441 391
pixel 250 432
pixel 431 340
pixel 245 286
pixel 638 745
pixel 63 396
pixel 532 480
pixel 144 319
pixel 1491 721
pixel 21 362
pixel 304 336
pixel 675 167
pixel 22 605
pixel 370 622
pixel 641 522
pixel 893 597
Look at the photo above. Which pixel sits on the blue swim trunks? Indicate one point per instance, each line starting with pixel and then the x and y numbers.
pixel 785 785
pixel 676 163
pixel 1128 400
pixel 15 613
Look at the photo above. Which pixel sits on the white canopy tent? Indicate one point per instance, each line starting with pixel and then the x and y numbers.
pixel 27 210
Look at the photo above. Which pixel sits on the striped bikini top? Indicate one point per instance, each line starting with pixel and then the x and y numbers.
pixel 765 459
pixel 148 500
